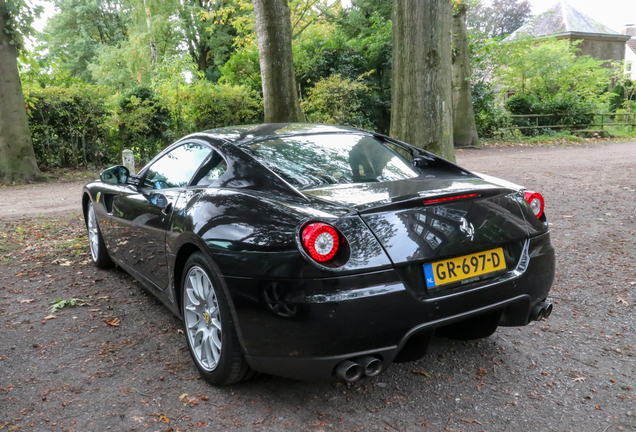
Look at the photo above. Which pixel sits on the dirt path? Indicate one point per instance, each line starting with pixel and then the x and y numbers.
pixel 50 199
pixel 120 362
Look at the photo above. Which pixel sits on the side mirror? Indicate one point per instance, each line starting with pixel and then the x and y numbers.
pixel 117 175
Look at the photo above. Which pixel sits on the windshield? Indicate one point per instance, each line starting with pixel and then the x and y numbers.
pixel 327 159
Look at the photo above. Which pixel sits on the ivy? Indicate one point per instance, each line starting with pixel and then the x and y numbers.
pixel 19 16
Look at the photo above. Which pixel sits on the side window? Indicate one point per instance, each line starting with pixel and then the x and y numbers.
pixel 211 171
pixel 175 169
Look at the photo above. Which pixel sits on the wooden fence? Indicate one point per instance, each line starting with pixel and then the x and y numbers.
pixel 627 119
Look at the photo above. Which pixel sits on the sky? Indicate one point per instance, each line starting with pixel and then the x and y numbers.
pixel 613 13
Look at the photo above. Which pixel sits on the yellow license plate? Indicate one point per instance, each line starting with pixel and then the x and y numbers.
pixel 464 267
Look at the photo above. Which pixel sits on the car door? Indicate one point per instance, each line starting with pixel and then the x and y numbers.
pixel 142 214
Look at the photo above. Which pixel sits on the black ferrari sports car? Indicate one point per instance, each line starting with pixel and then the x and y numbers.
pixel 320 252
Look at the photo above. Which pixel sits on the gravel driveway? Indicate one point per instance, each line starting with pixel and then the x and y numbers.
pixel 119 362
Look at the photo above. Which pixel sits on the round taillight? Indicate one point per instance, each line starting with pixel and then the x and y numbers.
pixel 321 241
pixel 536 202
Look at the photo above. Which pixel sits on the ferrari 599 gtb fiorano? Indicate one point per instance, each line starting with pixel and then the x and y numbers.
pixel 321 252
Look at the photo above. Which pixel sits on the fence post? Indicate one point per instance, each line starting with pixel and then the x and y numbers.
pixel 129 160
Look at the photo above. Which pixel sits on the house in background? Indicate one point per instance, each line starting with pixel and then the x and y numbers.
pixel 630 50
pixel 565 22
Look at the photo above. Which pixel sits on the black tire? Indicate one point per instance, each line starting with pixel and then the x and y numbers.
pixel 478 327
pixel 99 253
pixel 231 366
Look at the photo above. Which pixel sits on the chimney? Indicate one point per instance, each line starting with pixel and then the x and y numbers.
pixel 629 30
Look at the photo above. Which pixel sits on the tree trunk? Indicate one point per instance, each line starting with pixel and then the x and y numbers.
pixel 273 29
pixel 464 128
pixel 421 100
pixel 17 159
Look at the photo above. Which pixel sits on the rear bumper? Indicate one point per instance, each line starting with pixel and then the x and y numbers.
pixel 370 314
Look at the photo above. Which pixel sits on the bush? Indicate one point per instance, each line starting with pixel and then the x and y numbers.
pixel 69 125
pixel 489 117
pixel 143 124
pixel 210 106
pixel 336 100
pixel 566 109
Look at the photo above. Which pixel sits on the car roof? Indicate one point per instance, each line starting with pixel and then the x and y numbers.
pixel 245 134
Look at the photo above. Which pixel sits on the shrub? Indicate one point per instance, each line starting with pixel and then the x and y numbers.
pixel 143 124
pixel 489 117
pixel 566 109
pixel 215 105
pixel 69 125
pixel 336 100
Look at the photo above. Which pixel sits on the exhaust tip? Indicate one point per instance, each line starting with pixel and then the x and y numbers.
pixel 541 310
pixel 548 311
pixel 372 366
pixel 349 371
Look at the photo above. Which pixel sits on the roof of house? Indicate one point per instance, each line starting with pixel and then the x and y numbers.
pixel 632 44
pixel 563 19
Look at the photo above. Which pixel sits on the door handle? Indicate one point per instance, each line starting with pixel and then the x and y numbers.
pixel 167 209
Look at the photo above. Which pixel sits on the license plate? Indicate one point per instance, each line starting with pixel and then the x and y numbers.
pixel 464 267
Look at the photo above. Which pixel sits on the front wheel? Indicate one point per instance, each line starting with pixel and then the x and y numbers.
pixel 209 327
pixel 99 252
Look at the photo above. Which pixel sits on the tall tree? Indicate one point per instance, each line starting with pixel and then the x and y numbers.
pixel 273 30
pixel 75 32
pixel 498 18
pixel 421 99
pixel 464 128
pixel 17 159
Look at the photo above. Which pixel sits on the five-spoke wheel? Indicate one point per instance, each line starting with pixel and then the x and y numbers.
pixel 209 326
pixel 99 252
pixel 202 318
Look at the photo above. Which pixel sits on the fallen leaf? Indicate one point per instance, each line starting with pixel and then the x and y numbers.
pixel 48 317
pixel 113 321
pixel 567 216
pixel 27 301
pixel 93 310
pixel 65 264
pixel 183 396
pixel 471 421
pixel 164 418
pixel 622 300
pixel 103 298
pixel 578 379
pixel 421 372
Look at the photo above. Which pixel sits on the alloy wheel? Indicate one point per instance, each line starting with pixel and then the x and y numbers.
pixel 202 318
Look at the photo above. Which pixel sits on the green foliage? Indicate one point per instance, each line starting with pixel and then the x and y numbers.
pixel 69 125
pixel 243 67
pixel 565 109
pixel 497 18
pixel 19 16
pixel 336 100
pixel 143 124
pixel 622 94
pixel 489 116
pixel 60 303
pixel 549 68
pixel 202 105
pixel 210 106
pixel 74 34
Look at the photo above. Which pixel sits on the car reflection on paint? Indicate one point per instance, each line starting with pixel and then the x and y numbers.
pixel 320 252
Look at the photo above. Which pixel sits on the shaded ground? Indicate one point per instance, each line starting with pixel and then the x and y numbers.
pixel 574 372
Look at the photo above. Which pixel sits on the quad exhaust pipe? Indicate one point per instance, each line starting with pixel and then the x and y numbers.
pixel 353 370
pixel 541 310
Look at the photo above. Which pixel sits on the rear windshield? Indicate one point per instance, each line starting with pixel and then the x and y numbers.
pixel 319 160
